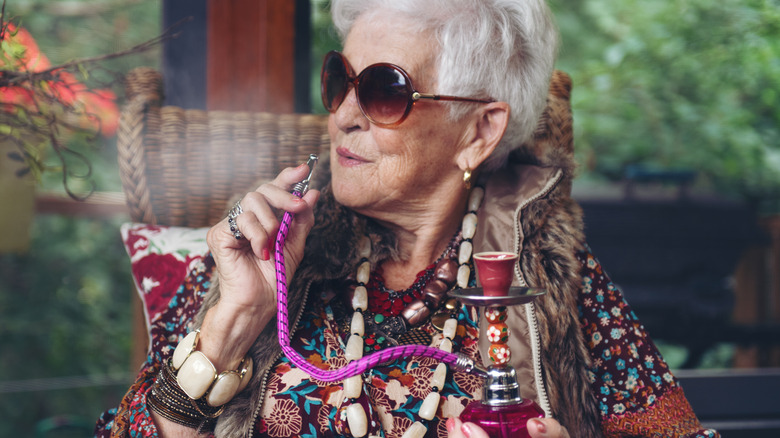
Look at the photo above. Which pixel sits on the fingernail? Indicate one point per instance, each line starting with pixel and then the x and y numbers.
pixel 265 254
pixel 539 425
pixel 466 429
pixel 450 425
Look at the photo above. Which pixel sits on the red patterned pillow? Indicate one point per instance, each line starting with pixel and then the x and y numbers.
pixel 161 257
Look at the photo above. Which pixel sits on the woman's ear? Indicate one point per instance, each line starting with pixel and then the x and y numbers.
pixel 485 133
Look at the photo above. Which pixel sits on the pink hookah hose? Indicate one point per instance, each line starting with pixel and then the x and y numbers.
pixel 355 367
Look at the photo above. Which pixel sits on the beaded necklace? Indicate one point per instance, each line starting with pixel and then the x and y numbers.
pixel 417 311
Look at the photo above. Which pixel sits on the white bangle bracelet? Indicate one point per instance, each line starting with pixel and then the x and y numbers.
pixel 198 377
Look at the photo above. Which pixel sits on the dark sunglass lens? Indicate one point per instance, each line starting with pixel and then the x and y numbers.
pixel 384 94
pixel 334 81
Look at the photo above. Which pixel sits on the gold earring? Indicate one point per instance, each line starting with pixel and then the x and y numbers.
pixel 467 178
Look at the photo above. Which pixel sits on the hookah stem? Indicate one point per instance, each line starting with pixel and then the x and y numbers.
pixel 353 368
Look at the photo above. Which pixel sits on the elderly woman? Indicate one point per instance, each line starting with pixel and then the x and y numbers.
pixel 381 244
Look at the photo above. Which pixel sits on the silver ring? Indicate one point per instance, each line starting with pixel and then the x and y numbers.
pixel 232 215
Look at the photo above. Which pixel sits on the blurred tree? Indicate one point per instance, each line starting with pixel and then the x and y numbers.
pixel 677 84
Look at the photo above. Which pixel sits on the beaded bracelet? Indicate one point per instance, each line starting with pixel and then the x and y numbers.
pixel 198 377
pixel 189 391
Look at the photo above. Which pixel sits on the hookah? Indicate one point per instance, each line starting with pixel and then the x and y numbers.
pixel 502 412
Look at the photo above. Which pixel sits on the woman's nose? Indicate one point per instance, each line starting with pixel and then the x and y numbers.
pixel 348 116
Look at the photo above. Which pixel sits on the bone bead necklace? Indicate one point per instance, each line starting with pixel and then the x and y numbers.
pixel 414 314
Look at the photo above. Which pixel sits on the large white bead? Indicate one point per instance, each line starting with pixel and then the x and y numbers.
pixel 429 406
pixel 353 386
pixel 360 298
pixel 450 328
pixel 475 199
pixel 469 225
pixel 183 349
pixel 416 430
pixel 464 253
pixel 464 272
pixel 357 326
pixel 356 417
pixel 446 345
pixel 363 272
pixel 224 389
pixel 364 247
pixel 439 376
pixel 354 349
pixel 196 375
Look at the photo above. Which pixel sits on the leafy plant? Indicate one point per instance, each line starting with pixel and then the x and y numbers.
pixel 677 84
pixel 48 105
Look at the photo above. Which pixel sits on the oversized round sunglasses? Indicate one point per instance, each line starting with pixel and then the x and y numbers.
pixel 384 91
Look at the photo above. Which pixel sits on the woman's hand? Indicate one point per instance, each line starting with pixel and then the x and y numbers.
pixel 245 267
pixel 537 428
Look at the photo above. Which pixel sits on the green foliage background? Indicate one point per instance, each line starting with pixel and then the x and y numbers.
pixel 669 84
pixel 677 84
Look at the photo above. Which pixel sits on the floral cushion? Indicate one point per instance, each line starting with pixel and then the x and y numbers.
pixel 161 258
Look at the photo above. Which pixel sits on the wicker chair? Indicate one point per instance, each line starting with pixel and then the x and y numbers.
pixel 180 167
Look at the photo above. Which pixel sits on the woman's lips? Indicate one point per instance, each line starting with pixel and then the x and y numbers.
pixel 348 159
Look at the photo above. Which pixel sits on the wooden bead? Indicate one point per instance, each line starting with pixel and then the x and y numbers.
pixel 354 350
pixel 183 349
pixel 439 376
pixel 416 313
pixel 356 418
pixel 475 198
pixel 434 292
pixel 446 271
pixel 429 406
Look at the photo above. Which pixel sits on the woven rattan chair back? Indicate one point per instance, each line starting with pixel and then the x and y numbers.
pixel 180 167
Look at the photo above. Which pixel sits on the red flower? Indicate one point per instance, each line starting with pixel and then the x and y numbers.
pixel 159 276
pixel 94 110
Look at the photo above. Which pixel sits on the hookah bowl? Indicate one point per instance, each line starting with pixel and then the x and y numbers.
pixel 502 412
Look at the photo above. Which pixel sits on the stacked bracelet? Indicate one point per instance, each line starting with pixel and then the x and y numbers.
pixel 198 377
pixel 188 389
pixel 167 399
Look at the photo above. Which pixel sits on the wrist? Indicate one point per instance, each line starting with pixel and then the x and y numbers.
pixel 228 332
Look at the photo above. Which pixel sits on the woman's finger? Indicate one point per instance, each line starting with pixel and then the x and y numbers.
pixel 459 429
pixel 256 230
pixel 546 428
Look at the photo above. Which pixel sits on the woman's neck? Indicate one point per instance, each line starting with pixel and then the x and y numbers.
pixel 421 239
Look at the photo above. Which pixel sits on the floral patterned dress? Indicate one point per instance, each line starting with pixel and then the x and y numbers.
pixel 298 406
pixel 637 394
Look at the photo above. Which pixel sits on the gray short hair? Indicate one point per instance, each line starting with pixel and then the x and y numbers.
pixel 503 49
